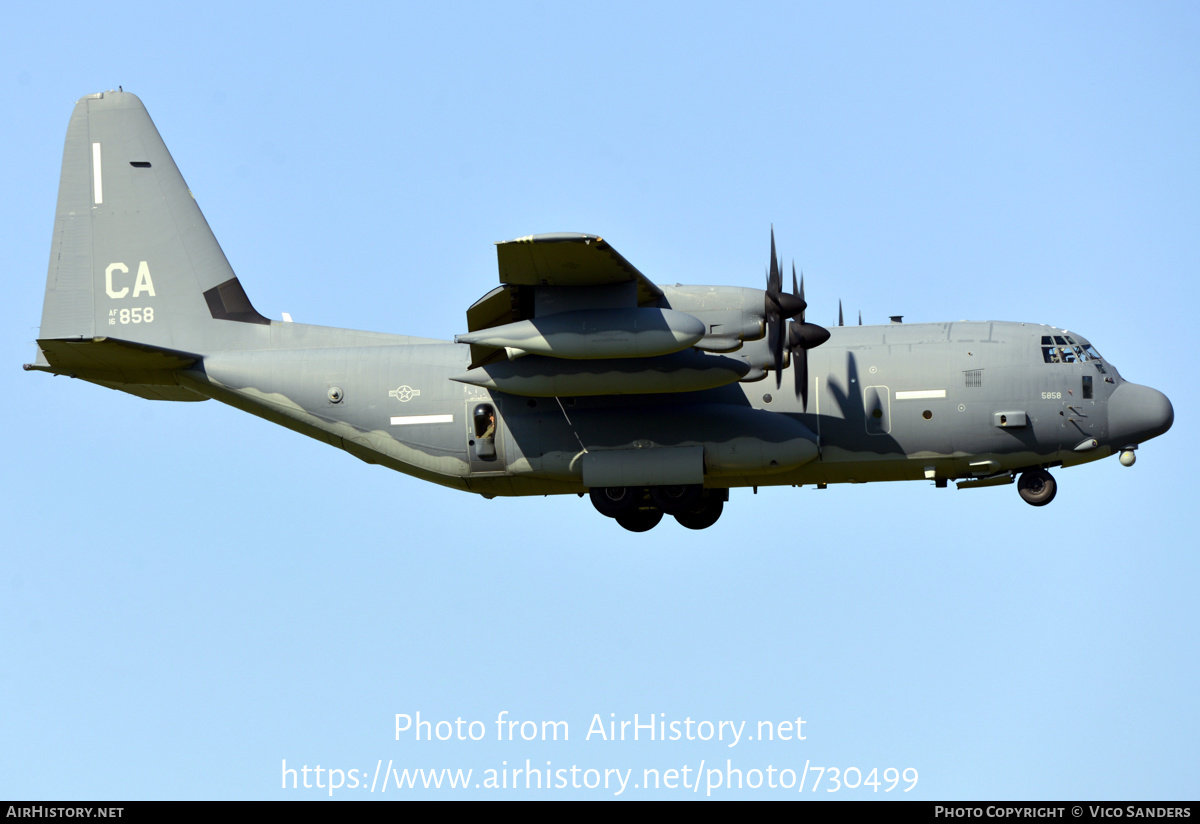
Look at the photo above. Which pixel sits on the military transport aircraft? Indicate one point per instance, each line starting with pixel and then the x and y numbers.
pixel 577 374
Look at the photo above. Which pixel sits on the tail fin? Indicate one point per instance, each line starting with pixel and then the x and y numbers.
pixel 137 284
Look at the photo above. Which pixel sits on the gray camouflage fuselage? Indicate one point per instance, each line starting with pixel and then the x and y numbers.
pixel 937 387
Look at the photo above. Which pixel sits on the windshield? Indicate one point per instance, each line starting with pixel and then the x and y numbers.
pixel 1068 349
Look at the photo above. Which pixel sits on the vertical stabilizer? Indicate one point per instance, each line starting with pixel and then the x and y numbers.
pixel 133 262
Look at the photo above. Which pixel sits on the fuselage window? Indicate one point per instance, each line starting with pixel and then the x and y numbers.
pixel 483 424
pixel 485 421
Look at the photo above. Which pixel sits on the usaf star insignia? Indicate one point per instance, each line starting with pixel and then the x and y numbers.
pixel 404 394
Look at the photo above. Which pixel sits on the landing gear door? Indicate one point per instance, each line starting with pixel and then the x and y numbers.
pixel 484 438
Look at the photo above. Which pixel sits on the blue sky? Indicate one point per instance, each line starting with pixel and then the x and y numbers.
pixel 191 596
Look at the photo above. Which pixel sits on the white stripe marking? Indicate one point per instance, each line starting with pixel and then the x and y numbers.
pixel 404 420
pixel 920 393
pixel 97 187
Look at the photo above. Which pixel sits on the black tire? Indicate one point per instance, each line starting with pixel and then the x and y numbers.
pixel 702 516
pixel 640 520
pixel 614 501
pixel 676 499
pixel 1037 487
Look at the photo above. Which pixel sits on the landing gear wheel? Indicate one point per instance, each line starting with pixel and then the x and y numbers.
pixel 676 499
pixel 702 516
pixel 1037 487
pixel 640 520
pixel 614 501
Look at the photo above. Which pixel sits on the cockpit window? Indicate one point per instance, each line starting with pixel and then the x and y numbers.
pixel 1065 349
pixel 1056 350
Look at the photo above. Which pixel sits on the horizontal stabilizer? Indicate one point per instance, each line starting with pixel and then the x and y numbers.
pixel 139 369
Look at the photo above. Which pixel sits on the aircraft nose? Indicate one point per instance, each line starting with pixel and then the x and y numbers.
pixel 1138 413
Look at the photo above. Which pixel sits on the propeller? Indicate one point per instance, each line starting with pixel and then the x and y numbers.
pixel 803 336
pixel 798 336
pixel 779 306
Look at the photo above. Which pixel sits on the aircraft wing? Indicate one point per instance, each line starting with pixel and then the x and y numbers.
pixel 569 259
pixel 538 273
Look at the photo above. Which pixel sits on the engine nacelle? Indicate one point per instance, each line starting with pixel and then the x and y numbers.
pixel 731 314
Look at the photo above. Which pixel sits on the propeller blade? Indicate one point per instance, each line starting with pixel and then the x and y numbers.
pixel 799 292
pixel 774 278
pixel 778 332
pixel 801 377
pixel 779 304
pixel 802 337
pixel 841 320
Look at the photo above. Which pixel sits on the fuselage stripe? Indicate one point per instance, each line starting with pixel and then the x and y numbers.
pixel 404 420
pixel 917 394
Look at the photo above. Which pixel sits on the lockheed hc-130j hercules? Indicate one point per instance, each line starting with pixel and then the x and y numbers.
pixel 577 374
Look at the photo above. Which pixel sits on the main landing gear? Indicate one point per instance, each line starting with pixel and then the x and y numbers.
pixel 640 509
pixel 1037 487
